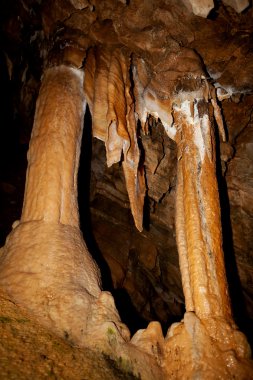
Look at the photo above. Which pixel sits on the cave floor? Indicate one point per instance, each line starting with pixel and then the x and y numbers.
pixel 29 351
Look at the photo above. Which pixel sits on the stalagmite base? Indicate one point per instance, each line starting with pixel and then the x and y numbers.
pixel 45 264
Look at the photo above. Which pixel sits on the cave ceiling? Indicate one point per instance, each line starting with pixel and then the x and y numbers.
pixel 175 44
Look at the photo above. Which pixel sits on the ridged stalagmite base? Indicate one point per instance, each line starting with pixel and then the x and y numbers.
pixel 45 264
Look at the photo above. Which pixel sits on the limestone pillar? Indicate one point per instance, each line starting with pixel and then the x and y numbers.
pixel 53 156
pixel 206 344
pixel 45 264
pixel 198 223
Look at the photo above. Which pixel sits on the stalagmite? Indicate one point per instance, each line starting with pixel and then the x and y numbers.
pixel 45 264
pixel 207 330
pixel 201 211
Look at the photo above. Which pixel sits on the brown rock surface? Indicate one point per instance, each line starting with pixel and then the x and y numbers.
pixel 28 350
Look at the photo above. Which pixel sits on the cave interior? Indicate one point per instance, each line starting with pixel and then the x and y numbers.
pixel 139 268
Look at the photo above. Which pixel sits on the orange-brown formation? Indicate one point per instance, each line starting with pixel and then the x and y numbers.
pixel 45 264
pixel 198 214
pixel 109 94
pixel 52 197
pixel 46 245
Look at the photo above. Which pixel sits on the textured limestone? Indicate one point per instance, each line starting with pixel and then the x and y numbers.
pixel 198 217
pixel 108 90
pixel 206 350
pixel 45 264
pixel 29 350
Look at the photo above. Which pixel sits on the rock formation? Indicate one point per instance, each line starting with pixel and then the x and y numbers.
pixel 132 64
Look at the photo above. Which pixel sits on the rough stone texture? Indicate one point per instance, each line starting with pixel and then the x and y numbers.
pixel 28 350
pixel 45 264
pixel 200 352
pixel 239 182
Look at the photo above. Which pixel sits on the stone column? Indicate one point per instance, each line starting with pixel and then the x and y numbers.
pixel 45 264
pixel 198 223
pixel 53 157
pixel 206 344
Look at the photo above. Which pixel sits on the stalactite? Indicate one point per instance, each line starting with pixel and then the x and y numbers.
pixel 108 90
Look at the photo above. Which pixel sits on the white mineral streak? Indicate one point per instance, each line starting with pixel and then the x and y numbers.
pixel 222 94
pixel 199 125
pixel 191 96
pixel 148 104
pixel 113 145
pixel 228 90
pixel 200 133
pixel 79 73
pixel 153 108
